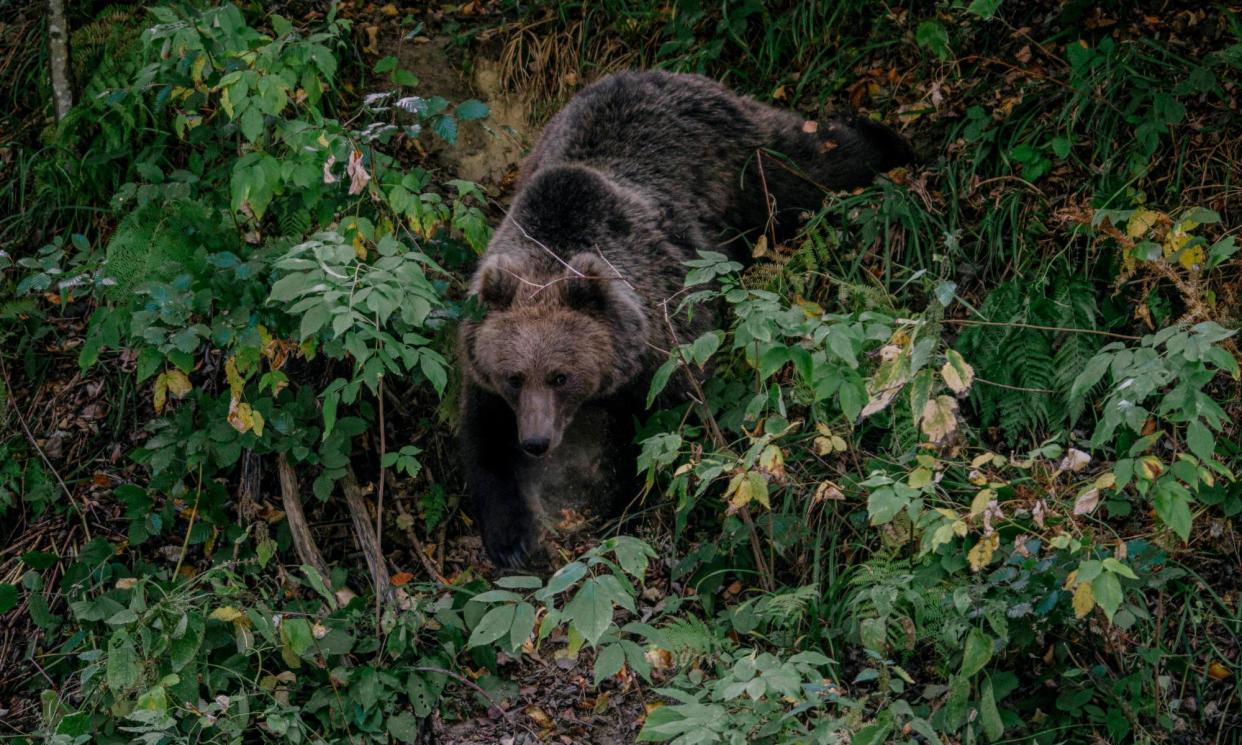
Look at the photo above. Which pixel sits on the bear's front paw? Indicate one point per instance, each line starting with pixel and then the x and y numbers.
pixel 508 544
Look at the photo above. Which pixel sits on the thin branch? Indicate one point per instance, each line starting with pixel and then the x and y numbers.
pixel 1033 327
pixel 8 385
pixel 532 239
pixel 1013 387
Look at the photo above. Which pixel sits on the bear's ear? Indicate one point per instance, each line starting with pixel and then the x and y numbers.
pixel 496 285
pixel 588 284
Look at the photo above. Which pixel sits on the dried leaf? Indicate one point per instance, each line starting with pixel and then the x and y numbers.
pixel 328 178
pixel 358 176
pixel 401 578
pixel 1087 501
pixel 225 613
pixel 828 491
pixel 1074 461
pixel 1141 221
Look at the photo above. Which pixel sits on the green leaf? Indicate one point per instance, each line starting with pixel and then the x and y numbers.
pixel 564 578
pixel 977 654
pixel 933 36
pixel 520 582
pixel 122 669
pixel 989 715
pixel 872 734
pixel 523 625
pixel 495 623
pixel 1116 567
pixel 1200 440
pixel 590 611
pixel 8 597
pixel 883 504
pixel 1107 591
pixel 403 727
pixel 471 109
pixel 321 587
pixel 386 64
pixel 1173 508
pixel 985 9
pixel 251 124
pixel 660 379
pixel 608 662
pixel 297 635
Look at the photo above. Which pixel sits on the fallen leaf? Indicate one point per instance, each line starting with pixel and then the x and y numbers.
pixel 1217 671
pixel 328 178
pixel 401 578
pixel 1074 461
pixel 810 126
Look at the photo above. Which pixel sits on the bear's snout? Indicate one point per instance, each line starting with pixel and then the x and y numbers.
pixel 536 446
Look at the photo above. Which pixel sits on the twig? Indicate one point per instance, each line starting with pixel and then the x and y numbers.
pixel 379 497
pixel 8 384
pixel 185 544
pixel 700 397
pixel 1013 387
pixel 1033 327
pixel 509 216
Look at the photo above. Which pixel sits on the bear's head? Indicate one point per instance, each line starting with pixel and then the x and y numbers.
pixel 548 343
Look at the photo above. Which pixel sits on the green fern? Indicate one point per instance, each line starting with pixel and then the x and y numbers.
pixel 1033 368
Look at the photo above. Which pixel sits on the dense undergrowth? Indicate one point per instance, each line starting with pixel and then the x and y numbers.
pixel 965 469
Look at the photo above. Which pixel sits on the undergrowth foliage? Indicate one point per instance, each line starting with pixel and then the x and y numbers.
pixel 960 465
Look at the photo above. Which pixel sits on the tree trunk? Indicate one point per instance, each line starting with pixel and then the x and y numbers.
pixel 58 48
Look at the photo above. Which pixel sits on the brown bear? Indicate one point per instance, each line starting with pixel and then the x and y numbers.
pixel 638 174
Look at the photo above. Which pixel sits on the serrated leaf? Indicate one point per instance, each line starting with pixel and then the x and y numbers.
pixel 989 715
pixel 939 420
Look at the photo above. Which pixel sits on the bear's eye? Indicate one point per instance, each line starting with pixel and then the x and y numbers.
pixel 558 380
pixel 515 381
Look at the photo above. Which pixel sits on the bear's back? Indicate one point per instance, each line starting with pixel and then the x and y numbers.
pixel 681 138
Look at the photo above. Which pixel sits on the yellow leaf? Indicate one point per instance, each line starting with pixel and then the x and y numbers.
pixel 1084 599
pixel 823 446
pixel 772 462
pixel 1150 467
pixel 225 613
pixel 1141 221
pixel 360 248
pixel 981 460
pixel 226 103
pixel 243 418
pixel 919 478
pixel 160 395
pixel 981 554
pixel 1193 258
pixel 236 381
pixel 178 383
pixel 1217 671
pixel 1106 480
pixel 981 501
